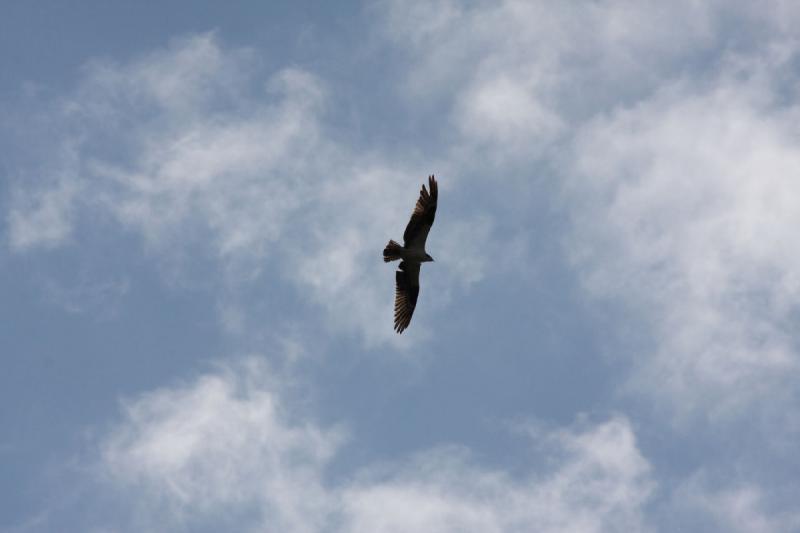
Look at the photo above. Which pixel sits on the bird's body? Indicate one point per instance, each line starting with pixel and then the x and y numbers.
pixel 412 255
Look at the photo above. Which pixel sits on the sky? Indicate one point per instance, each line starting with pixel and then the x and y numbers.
pixel 196 322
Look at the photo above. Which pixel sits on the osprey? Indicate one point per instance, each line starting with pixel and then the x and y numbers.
pixel 412 254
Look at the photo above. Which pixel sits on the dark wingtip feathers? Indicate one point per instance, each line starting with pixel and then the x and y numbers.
pixel 433 186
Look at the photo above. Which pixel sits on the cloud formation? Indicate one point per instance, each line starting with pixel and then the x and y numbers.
pixel 667 134
pixel 226 447
pixel 695 196
pixel 221 445
pixel 662 136
pixel 668 131
pixel 739 507
pixel 195 150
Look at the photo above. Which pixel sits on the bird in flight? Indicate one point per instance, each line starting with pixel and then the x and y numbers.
pixel 412 254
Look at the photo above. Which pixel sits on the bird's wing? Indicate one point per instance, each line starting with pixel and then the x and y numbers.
pixel 406 292
pixel 422 218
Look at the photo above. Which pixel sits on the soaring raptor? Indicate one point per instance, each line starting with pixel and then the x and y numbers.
pixel 413 254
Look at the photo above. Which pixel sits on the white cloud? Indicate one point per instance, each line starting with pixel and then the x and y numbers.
pixel 516 73
pixel 42 216
pixel 684 207
pixel 190 148
pixel 519 77
pixel 738 507
pixel 682 200
pixel 237 173
pixel 599 482
pixel 669 126
pixel 226 446
pixel 671 131
pixel 222 445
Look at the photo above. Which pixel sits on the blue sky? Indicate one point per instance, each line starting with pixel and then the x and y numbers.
pixel 197 323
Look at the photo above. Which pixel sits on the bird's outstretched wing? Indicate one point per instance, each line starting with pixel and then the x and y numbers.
pixel 422 218
pixel 406 292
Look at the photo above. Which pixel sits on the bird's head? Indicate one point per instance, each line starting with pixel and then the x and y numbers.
pixel 428 258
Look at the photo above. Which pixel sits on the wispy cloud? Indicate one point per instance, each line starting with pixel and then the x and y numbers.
pixel 666 135
pixel 221 445
pixel 86 296
pixel 660 137
pixel 228 446
pixel 598 481
pixel 198 151
pixel 739 507
pixel 695 198
pixel 42 216
pixel 672 154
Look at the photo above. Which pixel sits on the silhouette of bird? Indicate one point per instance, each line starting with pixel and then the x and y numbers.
pixel 412 254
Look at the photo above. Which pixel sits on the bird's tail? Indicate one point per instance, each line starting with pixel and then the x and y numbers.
pixel 392 252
